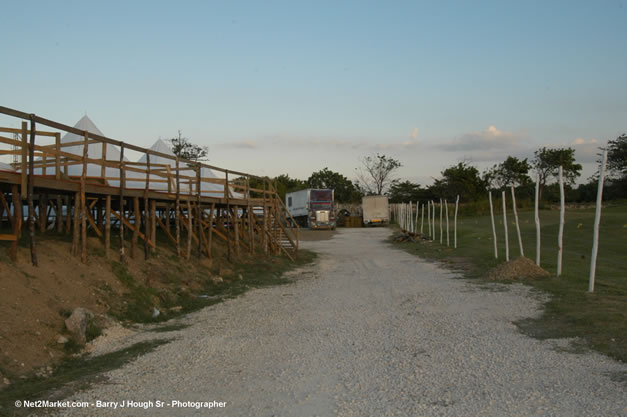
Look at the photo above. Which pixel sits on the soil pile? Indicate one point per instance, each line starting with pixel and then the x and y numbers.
pixel 520 268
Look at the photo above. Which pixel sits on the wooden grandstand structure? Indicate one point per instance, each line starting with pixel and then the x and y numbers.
pixel 131 199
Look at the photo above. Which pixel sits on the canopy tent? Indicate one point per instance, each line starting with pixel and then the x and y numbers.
pixel 94 151
pixel 207 188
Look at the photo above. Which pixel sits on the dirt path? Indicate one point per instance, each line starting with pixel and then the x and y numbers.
pixel 369 330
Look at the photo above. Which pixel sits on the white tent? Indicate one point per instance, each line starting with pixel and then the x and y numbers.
pixel 94 151
pixel 207 189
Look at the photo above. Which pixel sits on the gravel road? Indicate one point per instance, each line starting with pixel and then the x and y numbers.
pixel 367 331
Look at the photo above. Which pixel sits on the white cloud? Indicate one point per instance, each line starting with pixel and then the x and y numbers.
pixel 485 140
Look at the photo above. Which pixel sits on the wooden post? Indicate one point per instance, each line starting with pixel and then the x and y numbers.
pixel 228 213
pixel 122 186
pixel 189 229
pixel 153 224
pixel 251 228
pixel 57 157
pixel 560 235
pixel 198 210
pixel 31 207
pixel 210 237
pixel 17 220
pixel 265 221
pixel 537 220
pixel 68 214
pixel 138 224
pixel 83 204
pixel 448 241
pixel 147 228
pixel 76 236
pixel 236 228
pixel 520 245
pixel 107 225
pixel 168 211
pixel 505 226
pixel 455 223
pixel 177 216
pixel 59 214
pixel 24 161
pixel 496 250
pixel 597 222
pixel 433 214
pixel 103 159
pixel 43 212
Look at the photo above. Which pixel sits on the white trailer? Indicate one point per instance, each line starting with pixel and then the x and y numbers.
pixel 313 208
pixel 375 210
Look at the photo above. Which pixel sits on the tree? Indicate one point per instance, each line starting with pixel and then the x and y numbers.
pixel 345 190
pixel 617 156
pixel 547 161
pixel 461 179
pixel 511 171
pixel 183 148
pixel 403 192
pixel 376 173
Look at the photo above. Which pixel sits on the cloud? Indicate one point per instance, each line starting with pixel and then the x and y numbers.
pixel 586 150
pixel 414 133
pixel 485 140
pixel 241 144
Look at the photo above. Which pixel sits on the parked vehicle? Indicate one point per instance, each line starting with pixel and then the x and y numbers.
pixel 376 211
pixel 313 208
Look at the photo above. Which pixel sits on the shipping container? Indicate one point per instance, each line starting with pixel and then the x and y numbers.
pixel 376 211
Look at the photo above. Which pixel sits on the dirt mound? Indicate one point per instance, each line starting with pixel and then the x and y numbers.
pixel 520 268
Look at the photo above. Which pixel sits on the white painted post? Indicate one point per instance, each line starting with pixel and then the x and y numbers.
pixel 441 226
pixel 560 235
pixel 597 222
pixel 505 224
pixel 422 219
pixel 416 222
pixel 433 214
pixel 496 251
pixel 448 242
pixel 429 217
pixel 455 227
pixel 410 213
pixel 520 245
pixel 537 220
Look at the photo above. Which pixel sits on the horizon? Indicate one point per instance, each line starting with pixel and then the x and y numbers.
pixel 284 88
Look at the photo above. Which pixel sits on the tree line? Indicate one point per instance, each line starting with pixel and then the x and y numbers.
pixel 376 176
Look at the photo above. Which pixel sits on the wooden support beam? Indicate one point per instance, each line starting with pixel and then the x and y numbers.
pixel 138 222
pixel 92 222
pixel 177 213
pixel 189 230
pixel 24 160
pixel 17 220
pixel 107 225
pixel 125 222
pixel 147 227
pixel 59 214
pixel 83 203
pixel 68 214
pixel 153 224
pixel 29 197
pixel 122 186
pixel 198 211
pixel 210 232
pixel 57 158
pixel 228 211
pixel 166 231
pixel 76 233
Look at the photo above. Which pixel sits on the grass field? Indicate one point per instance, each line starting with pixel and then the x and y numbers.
pixel 599 318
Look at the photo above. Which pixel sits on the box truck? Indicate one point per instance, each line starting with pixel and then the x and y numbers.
pixel 375 210
pixel 313 208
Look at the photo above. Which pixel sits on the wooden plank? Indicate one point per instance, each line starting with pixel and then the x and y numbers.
pixel 8 237
pixel 138 216
pixel 76 234
pixel 147 227
pixel 209 239
pixel 129 225
pixel 167 232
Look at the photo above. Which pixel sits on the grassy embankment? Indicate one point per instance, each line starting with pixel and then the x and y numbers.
pixel 599 318
pixel 185 285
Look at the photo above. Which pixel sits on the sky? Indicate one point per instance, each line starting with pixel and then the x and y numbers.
pixel 293 87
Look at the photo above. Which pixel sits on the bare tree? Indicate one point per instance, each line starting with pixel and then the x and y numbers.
pixel 376 173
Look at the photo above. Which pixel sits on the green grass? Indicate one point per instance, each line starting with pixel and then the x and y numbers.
pixel 599 318
pixel 69 376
